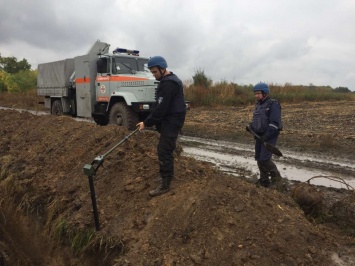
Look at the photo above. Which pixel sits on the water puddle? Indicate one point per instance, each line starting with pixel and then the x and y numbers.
pixel 25 110
pixel 237 159
pixel 90 120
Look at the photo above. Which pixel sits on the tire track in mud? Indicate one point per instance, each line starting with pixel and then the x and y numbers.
pixel 237 159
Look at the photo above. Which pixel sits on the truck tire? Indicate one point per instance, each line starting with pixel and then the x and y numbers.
pixel 122 115
pixel 57 108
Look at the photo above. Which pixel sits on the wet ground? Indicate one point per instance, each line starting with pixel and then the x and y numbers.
pixel 237 159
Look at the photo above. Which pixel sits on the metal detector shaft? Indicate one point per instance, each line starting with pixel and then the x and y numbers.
pixel 90 171
pixel 118 144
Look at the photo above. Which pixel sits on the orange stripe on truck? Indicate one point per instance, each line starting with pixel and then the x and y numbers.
pixel 103 99
pixel 108 78
pixel 82 80
pixel 119 78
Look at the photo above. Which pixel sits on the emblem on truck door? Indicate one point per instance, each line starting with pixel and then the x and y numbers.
pixel 102 89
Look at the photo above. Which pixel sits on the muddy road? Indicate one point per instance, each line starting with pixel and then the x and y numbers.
pixel 238 159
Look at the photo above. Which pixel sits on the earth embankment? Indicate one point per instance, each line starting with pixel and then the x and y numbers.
pixel 208 218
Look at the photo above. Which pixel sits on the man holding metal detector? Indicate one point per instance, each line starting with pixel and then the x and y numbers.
pixel 266 126
pixel 168 118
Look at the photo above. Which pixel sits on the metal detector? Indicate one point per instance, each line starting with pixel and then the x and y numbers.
pixel 90 171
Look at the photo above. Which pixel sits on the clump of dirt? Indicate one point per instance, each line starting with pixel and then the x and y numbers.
pixel 208 218
pixel 308 198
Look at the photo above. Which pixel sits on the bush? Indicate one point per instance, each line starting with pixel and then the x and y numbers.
pixel 2 81
pixel 21 81
pixel 200 79
pixel 342 89
pixel 232 94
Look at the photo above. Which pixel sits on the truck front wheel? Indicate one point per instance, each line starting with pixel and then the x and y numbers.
pixel 122 115
pixel 57 108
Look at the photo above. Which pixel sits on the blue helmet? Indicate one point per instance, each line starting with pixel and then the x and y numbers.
pixel 262 87
pixel 157 61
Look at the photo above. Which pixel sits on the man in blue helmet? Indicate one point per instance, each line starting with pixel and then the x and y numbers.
pixel 168 117
pixel 267 124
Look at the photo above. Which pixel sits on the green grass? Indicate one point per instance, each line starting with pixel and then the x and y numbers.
pixel 79 240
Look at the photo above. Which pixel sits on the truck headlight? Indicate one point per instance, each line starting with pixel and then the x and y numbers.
pixel 145 107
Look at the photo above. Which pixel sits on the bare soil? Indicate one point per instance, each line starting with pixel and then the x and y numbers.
pixel 208 218
pixel 325 128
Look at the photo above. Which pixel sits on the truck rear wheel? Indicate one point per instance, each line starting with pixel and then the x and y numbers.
pixel 122 115
pixel 57 108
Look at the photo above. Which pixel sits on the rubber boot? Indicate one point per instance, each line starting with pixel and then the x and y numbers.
pixel 162 188
pixel 264 180
pixel 274 172
pixel 158 178
pixel 275 177
pixel 277 181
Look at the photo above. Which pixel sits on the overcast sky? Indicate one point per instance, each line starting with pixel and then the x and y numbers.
pixel 275 41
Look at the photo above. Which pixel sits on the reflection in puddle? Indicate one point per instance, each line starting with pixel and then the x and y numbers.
pixel 228 159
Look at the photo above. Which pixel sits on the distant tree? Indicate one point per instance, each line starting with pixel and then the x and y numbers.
pixel 311 86
pixel 342 89
pixel 11 65
pixel 2 81
pixel 200 79
pixel 21 81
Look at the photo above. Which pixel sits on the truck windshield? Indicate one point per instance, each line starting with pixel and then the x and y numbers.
pixel 123 65
pixel 143 65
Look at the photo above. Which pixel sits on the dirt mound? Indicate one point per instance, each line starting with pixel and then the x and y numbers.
pixel 208 218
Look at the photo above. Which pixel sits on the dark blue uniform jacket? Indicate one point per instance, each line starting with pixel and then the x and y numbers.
pixel 169 114
pixel 267 118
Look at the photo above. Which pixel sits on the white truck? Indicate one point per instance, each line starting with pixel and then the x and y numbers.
pixel 112 88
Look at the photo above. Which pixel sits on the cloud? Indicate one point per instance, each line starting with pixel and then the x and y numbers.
pixel 300 42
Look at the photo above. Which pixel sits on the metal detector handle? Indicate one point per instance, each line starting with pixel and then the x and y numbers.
pixel 252 132
pixel 268 146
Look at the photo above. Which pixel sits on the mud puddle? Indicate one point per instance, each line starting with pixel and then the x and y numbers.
pixel 90 120
pixel 238 159
pixel 25 110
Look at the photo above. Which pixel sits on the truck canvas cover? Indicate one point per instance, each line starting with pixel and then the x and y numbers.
pixel 53 77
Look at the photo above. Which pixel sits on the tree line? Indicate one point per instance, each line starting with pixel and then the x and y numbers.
pixel 16 76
